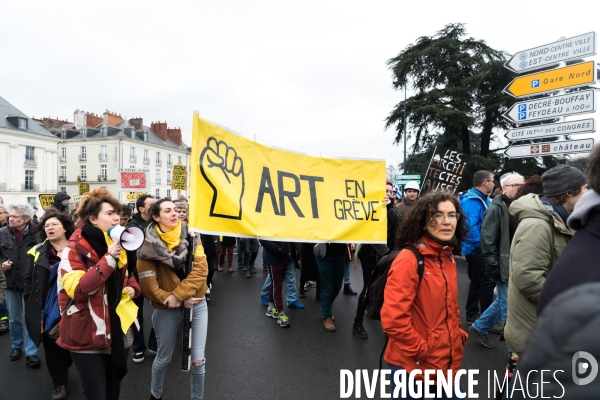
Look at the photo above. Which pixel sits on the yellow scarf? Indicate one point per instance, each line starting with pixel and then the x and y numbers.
pixel 173 238
pixel 122 255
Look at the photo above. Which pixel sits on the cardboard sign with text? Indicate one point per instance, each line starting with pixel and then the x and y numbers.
pixel 133 180
pixel 445 170
pixel 179 181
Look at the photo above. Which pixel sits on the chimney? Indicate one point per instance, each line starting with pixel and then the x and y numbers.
pixel 175 135
pixel 161 130
pixel 137 123
pixel 52 123
pixel 112 119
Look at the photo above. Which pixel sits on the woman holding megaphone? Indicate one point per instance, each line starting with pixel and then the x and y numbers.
pixel 167 281
pixel 95 289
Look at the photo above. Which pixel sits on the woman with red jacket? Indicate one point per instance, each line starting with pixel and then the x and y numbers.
pixel 421 319
pixel 93 286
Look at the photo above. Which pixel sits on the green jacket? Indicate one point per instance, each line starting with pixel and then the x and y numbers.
pixel 538 242
pixel 495 241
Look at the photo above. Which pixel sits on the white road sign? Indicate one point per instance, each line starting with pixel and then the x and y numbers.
pixel 553 53
pixel 548 130
pixel 550 148
pixel 552 107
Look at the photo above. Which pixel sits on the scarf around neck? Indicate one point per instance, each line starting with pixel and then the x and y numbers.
pixel 156 247
pixel 170 238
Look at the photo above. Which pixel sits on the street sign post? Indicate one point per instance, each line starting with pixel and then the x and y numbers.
pixel 553 53
pixel 568 77
pixel 403 182
pixel 408 177
pixel 549 130
pixel 552 107
pixel 550 148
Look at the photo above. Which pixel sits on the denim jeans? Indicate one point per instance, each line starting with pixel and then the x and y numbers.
pixel 481 289
pixel 395 368
pixel 19 337
pixel 249 248
pixel 347 272
pixel 289 281
pixel 498 309
pixel 331 271
pixel 166 323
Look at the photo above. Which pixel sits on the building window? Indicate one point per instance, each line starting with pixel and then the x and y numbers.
pixel 158 157
pixel 158 176
pixel 63 134
pixel 31 201
pixel 132 166
pixel 28 180
pixel 63 172
pixel 63 188
pixel 179 160
pixel 63 153
pixel 133 134
pixel 146 159
pixel 83 153
pixel 169 193
pixel 84 133
pixel 22 123
pixel 132 154
pixel 103 153
pixel 168 159
pixel 145 136
pixel 103 172
pixel 29 153
pixel 157 193
pixel 83 173
pixel 168 178
pixel 104 131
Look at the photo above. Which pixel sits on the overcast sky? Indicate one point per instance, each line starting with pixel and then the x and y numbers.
pixel 309 76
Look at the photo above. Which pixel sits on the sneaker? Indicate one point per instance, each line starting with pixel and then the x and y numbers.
pixel 329 325
pixel 252 270
pixel 4 326
pixel 59 392
pixel 301 293
pixel 272 312
pixel 33 361
pixel 138 357
pixel 295 304
pixel 283 321
pixel 307 285
pixel 497 329
pixel 152 351
pixel 247 274
pixel 485 341
pixel 15 354
pixel 312 283
pixel 348 290
pixel 472 318
pixel 359 330
pixel 264 268
pixel 264 300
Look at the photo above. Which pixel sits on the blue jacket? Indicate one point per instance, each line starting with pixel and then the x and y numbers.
pixel 275 253
pixel 473 204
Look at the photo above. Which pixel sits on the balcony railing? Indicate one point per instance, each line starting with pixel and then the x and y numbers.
pixel 62 179
pixel 31 160
pixel 62 159
pixel 81 178
pixel 133 159
pixel 169 164
pixel 169 181
pixel 146 161
pixel 102 157
pixel 159 163
pixel 82 157
pixel 30 188
pixel 158 181
pixel 102 178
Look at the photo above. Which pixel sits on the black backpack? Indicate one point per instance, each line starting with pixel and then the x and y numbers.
pixel 374 293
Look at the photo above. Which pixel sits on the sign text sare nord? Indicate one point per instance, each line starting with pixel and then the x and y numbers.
pixel 351 206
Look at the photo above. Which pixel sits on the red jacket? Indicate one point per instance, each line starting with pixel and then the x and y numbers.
pixel 422 320
pixel 85 325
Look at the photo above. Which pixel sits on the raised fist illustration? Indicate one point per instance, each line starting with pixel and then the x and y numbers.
pixel 223 170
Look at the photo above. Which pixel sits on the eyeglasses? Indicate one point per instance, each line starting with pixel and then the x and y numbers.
pixel 52 225
pixel 517 185
pixel 440 217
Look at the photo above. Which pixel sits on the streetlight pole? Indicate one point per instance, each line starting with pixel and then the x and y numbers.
pixel 404 135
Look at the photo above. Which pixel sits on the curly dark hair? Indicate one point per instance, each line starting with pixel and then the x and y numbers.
pixel 91 204
pixel 63 218
pixel 413 226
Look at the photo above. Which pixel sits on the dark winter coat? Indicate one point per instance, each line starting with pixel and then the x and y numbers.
pixel 227 241
pixel 375 250
pixel 495 240
pixel 137 222
pixel 579 262
pixel 58 199
pixel 9 248
pixel 569 324
pixel 275 253
pixel 37 284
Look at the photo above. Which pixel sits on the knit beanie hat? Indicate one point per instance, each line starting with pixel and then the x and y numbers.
pixel 561 179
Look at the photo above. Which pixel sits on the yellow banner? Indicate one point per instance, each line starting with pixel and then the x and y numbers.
pixel 179 181
pixel 84 188
pixel 246 189
pixel 131 197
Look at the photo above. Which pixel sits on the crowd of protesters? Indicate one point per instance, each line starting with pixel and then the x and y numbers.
pixel 65 282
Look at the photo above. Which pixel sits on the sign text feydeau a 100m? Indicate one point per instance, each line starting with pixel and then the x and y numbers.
pixel 568 77
pixel 553 53
pixel 552 107
pixel 550 148
pixel 548 130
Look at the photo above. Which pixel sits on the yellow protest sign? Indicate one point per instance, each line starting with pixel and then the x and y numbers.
pixel 84 188
pixel 46 200
pixel 243 188
pixel 179 181
pixel 131 197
